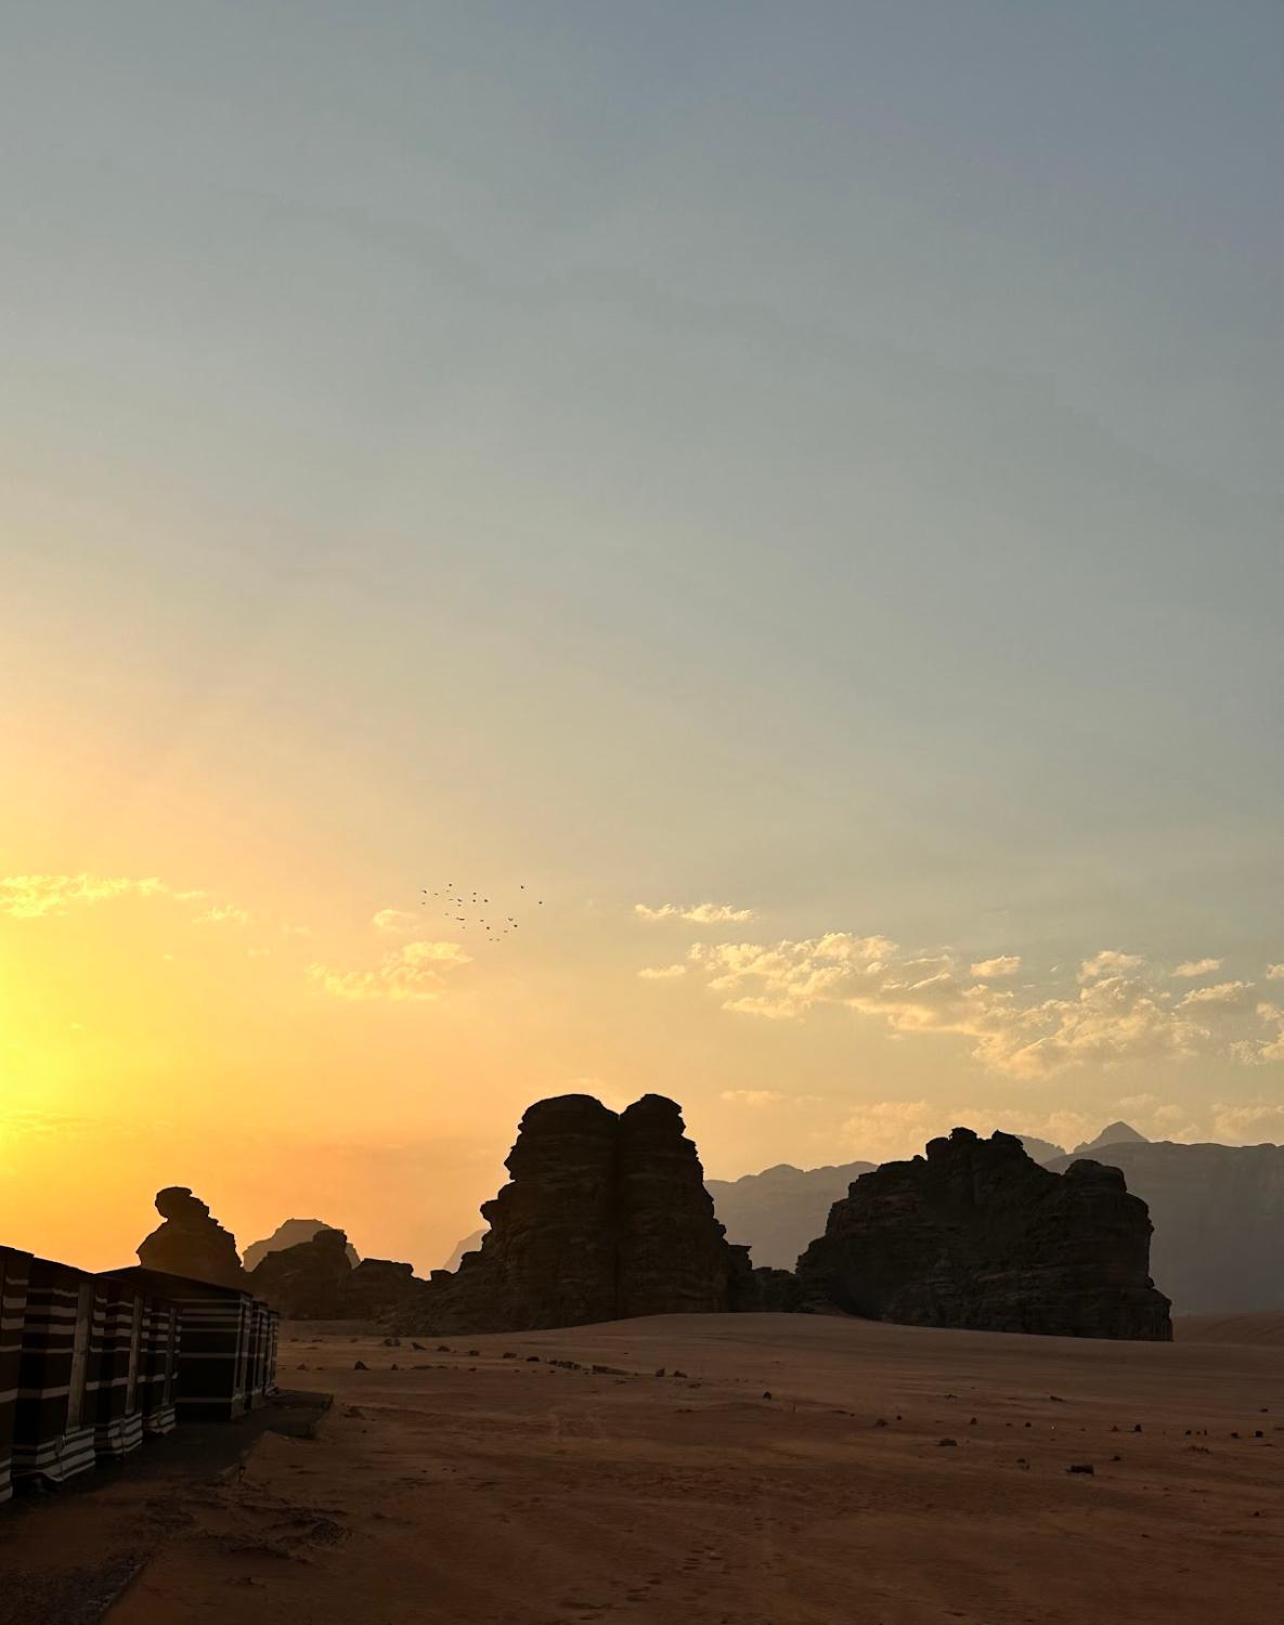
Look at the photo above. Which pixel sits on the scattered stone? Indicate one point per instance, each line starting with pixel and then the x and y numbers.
pixel 361 1365
pixel 941 1442
pixel 1082 1467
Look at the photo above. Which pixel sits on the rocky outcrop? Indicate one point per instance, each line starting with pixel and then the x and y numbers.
pixel 977 1234
pixel 605 1216
pixel 1218 1212
pixel 378 1289
pixel 189 1242
pixel 306 1281
pixel 315 1280
pixel 290 1234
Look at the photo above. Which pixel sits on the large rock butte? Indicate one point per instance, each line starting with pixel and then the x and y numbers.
pixel 290 1233
pixel 316 1280
pixel 189 1242
pixel 978 1235
pixel 605 1216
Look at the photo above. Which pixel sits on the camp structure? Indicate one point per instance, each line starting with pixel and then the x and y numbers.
pixel 91 1365
pixel 53 1415
pixel 226 1344
pixel 15 1268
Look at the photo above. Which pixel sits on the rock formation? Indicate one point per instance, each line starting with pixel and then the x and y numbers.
pixel 189 1242
pixel 606 1215
pixel 1218 1212
pixel 377 1289
pixel 290 1234
pixel 315 1280
pixel 306 1281
pixel 978 1235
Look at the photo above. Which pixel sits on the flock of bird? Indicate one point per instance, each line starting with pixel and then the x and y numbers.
pixel 465 908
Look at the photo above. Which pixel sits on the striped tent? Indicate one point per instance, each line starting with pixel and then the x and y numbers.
pixel 15 1268
pixel 54 1422
pixel 227 1344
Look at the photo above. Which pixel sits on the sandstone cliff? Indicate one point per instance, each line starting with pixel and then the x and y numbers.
pixel 977 1234
pixel 606 1215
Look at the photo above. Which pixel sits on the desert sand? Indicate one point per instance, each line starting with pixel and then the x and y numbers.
pixel 795 1471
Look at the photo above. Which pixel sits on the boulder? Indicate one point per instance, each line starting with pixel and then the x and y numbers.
pixel 189 1242
pixel 977 1234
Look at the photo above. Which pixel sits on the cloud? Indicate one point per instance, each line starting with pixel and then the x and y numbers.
pixel 416 970
pixel 695 914
pixel 223 914
pixel 1197 967
pixel 1248 1122
pixel 392 920
pixel 33 897
pixel 1223 995
pixel 1003 965
pixel 1275 973
pixel 662 973
pixel 1113 1014
pixel 1109 962
pixel 752 1097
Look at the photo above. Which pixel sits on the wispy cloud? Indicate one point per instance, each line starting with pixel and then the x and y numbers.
pixel 415 970
pixel 1109 962
pixel 1275 973
pixel 223 914
pixel 662 973
pixel 1224 995
pixel 1003 965
pixel 393 920
pixel 752 1097
pixel 33 897
pixel 1117 1009
pixel 1197 967
pixel 695 913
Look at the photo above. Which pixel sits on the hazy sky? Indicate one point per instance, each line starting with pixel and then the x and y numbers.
pixel 818 462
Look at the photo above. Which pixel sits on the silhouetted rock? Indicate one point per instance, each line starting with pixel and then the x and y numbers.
pixel 306 1281
pixel 605 1216
pixel 315 1280
pixel 1218 1212
pixel 189 1242
pixel 290 1234
pixel 671 1255
pixel 978 1235
pixel 376 1289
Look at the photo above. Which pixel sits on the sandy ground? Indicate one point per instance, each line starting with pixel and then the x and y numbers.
pixel 796 1471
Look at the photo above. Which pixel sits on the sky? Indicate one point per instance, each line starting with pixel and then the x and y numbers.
pixel 795 489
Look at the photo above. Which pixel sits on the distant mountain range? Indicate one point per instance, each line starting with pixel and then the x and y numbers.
pixel 782 1210
pixel 1218 1213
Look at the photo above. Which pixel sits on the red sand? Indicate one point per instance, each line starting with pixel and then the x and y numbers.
pixel 508 1492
